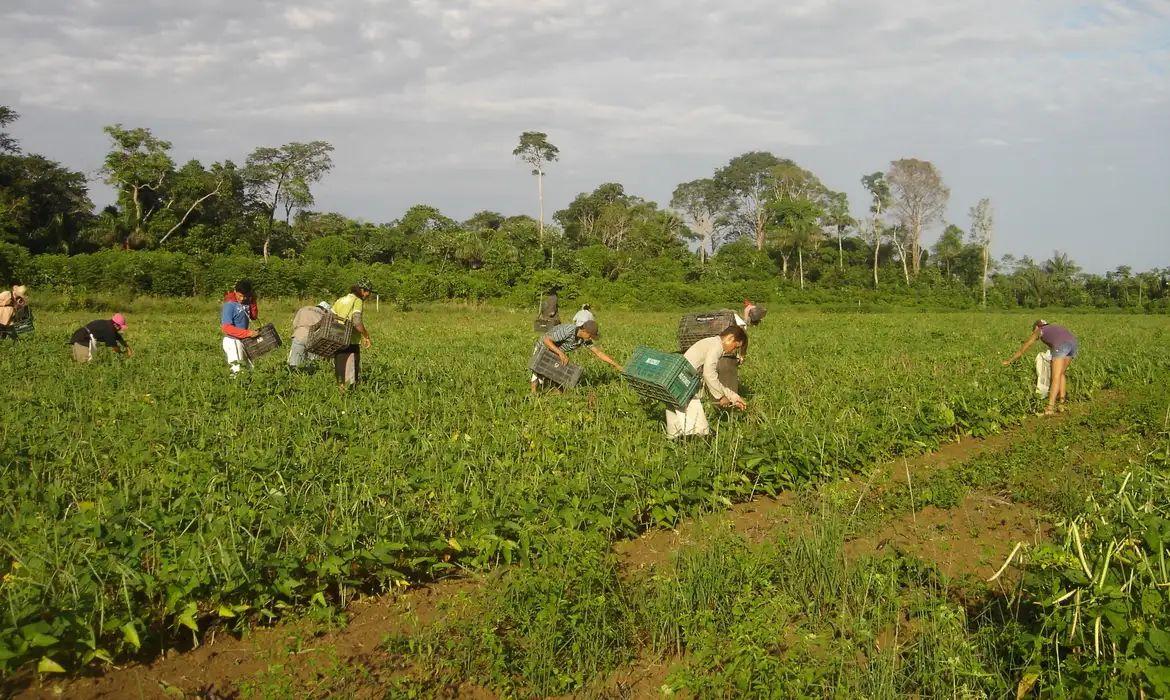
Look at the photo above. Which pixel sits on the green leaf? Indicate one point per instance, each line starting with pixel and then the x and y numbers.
pixel 47 665
pixel 40 639
pixel 130 635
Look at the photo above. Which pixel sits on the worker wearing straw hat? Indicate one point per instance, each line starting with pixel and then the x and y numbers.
pixel 303 321
pixel 106 332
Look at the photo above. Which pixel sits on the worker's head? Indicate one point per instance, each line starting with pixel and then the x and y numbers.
pixel 324 305
pixel 755 314
pixel 733 338
pixel 1039 323
pixel 585 307
pixel 246 289
pixel 119 321
pixel 362 289
pixel 589 331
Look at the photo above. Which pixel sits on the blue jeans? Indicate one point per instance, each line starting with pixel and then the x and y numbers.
pixel 1068 350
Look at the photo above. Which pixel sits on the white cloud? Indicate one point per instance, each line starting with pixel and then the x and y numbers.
pixel 676 87
pixel 308 17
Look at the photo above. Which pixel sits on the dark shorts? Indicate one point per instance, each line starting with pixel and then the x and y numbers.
pixel 728 370
pixel 347 364
pixel 1068 350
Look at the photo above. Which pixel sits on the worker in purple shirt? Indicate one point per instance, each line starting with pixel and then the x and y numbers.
pixel 1064 348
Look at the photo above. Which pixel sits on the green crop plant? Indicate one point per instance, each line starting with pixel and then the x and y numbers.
pixel 151 498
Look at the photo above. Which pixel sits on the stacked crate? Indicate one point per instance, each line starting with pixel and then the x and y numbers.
pixel 332 333
pixel 662 376
pixel 694 327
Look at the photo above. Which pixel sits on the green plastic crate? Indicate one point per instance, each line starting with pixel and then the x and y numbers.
pixel 662 376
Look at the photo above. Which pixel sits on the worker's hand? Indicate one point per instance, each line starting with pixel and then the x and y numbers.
pixel 1006 362
pixel 129 352
pixel 617 366
pixel 562 357
pixel 253 334
pixel 741 360
pixel 740 404
pixel 366 342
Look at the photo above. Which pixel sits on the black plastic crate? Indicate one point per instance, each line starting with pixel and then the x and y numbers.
pixel 266 342
pixel 332 333
pixel 546 364
pixel 694 327
pixel 22 320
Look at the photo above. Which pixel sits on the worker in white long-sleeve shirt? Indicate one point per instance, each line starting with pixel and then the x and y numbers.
pixel 704 356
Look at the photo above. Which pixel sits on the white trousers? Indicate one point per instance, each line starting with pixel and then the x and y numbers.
pixel 234 350
pixel 692 421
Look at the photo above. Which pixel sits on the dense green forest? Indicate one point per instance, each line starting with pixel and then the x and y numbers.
pixel 760 226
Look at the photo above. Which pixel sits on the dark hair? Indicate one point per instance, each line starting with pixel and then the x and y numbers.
pixel 245 287
pixel 585 306
pixel 737 333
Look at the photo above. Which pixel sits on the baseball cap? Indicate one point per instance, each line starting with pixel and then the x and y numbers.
pixel 325 305
pixel 119 320
pixel 366 285
pixel 591 328
pixel 1039 322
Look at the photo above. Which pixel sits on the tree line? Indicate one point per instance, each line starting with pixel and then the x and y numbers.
pixel 760 220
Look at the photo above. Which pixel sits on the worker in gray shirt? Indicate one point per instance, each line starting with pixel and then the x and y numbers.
pixel 566 338
pixel 303 321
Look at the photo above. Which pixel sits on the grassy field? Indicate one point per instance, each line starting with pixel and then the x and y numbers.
pixel 154 497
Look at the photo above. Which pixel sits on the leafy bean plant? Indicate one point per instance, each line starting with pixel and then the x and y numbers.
pixel 150 498
pixel 1096 603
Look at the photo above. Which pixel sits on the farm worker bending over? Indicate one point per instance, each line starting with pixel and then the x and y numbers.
pixel 754 313
pixel 11 300
pixel 1064 348
pixel 728 368
pixel 107 332
pixel 550 308
pixel 347 363
pixel 239 307
pixel 585 314
pixel 566 338
pixel 704 356
pixel 303 321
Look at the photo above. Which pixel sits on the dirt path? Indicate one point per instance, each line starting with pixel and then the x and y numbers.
pixel 306 656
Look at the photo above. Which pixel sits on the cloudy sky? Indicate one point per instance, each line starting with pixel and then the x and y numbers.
pixel 1059 111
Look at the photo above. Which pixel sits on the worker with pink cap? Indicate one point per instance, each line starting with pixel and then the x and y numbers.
pixel 108 332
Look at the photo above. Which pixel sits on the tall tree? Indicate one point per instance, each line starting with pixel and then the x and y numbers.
pixel 746 182
pixel 948 248
pixel 919 199
pixel 879 193
pixel 838 218
pixel 982 225
pixel 191 188
pixel 278 176
pixel 704 204
pixel 138 165
pixel 7 143
pixel 535 150
pixel 797 225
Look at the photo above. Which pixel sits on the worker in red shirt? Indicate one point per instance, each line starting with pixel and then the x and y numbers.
pixel 239 308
